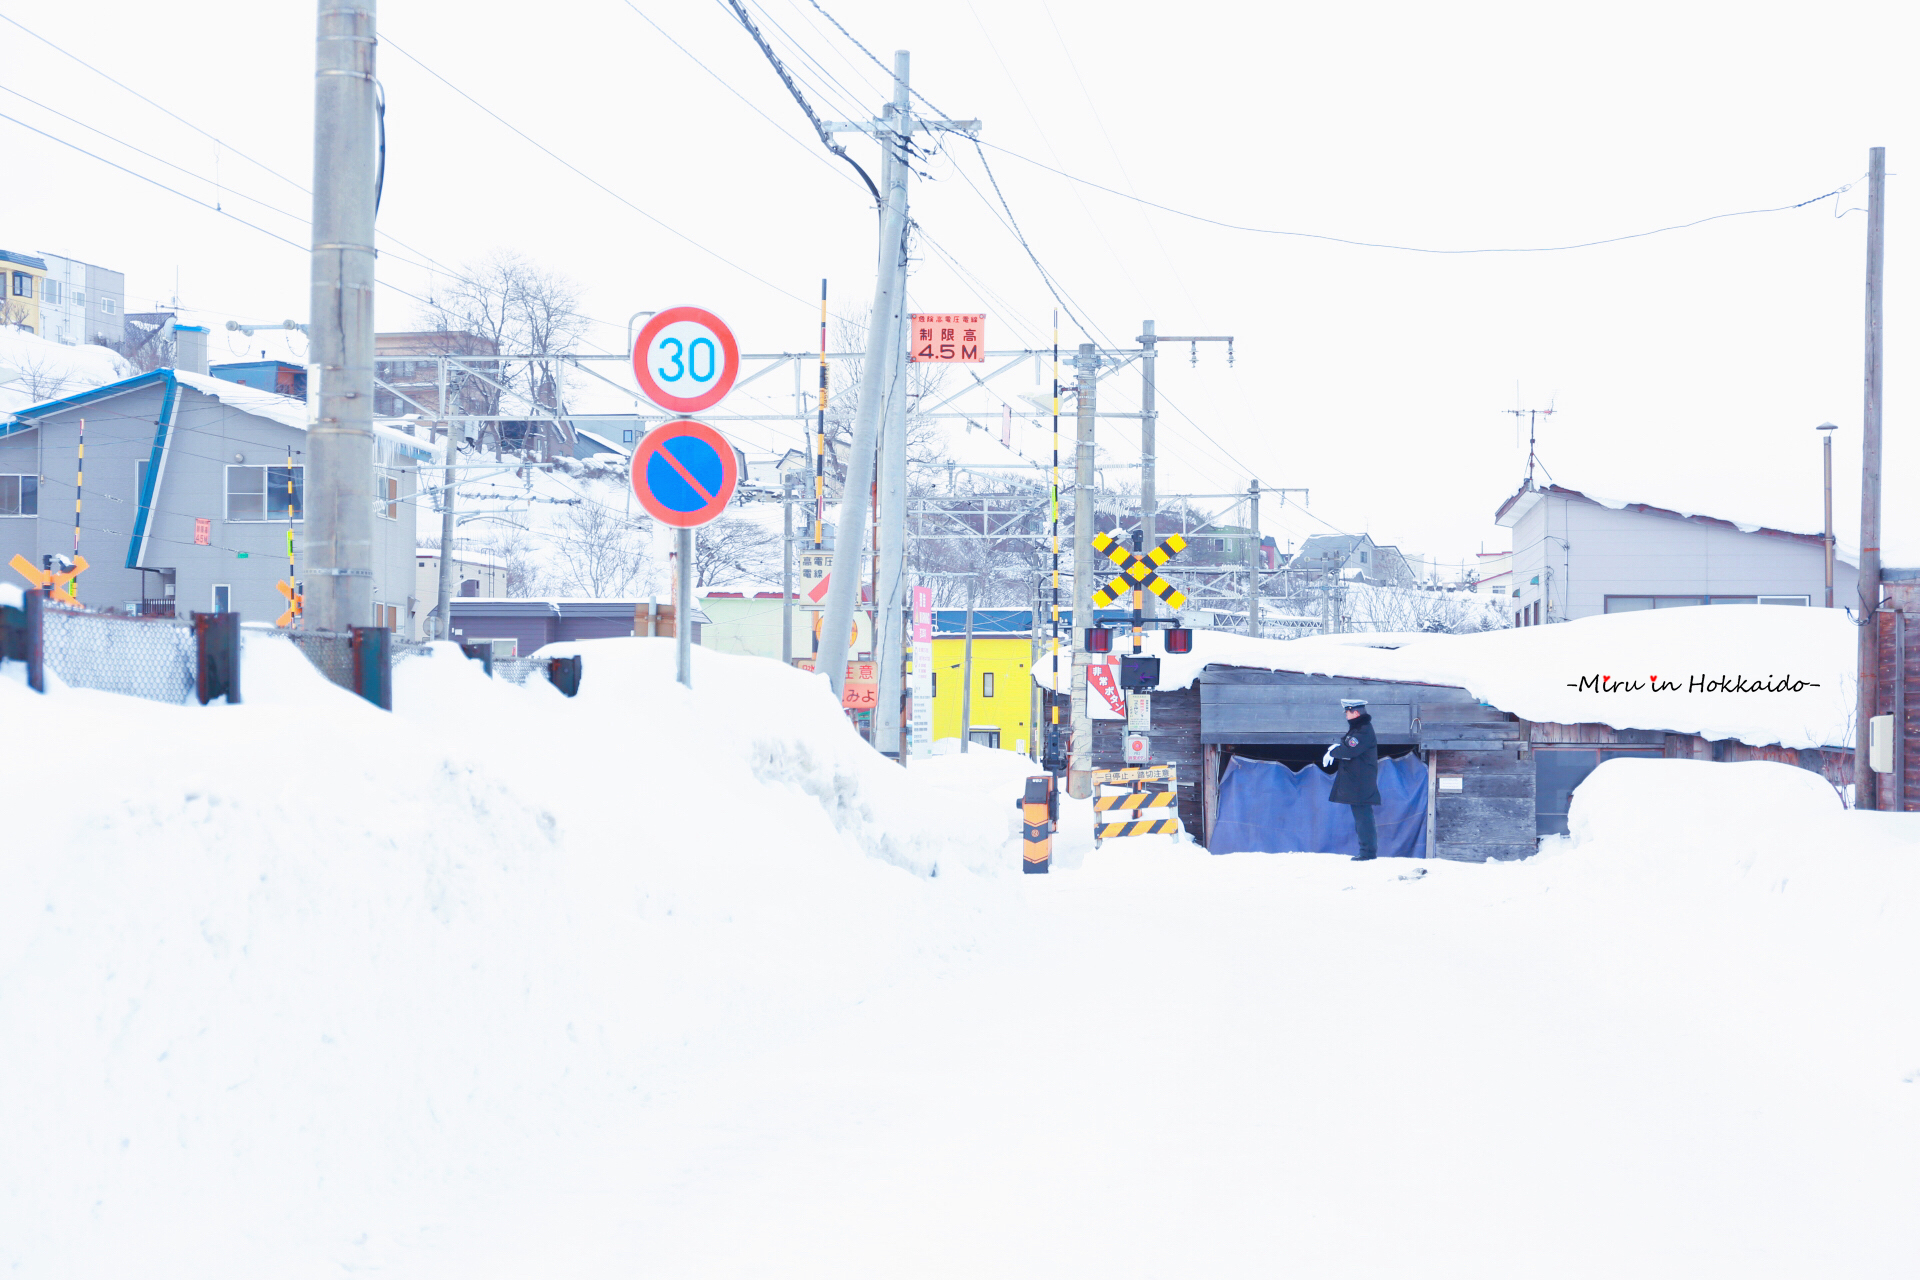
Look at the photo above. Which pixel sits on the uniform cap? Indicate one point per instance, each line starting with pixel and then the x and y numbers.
pixel 1348 704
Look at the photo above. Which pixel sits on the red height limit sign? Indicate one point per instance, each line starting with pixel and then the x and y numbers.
pixel 949 338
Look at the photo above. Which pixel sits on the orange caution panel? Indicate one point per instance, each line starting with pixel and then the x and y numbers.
pixel 1039 814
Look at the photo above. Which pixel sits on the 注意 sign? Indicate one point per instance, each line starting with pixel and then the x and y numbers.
pixel 949 338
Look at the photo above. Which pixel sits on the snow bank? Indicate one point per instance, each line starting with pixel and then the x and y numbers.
pixel 1797 666
pixel 49 370
pixel 299 980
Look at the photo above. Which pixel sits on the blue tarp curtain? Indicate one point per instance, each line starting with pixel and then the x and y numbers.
pixel 1265 807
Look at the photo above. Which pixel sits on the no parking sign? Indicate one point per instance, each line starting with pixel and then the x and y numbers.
pixel 684 473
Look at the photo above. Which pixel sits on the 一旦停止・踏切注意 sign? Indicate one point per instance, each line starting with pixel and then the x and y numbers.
pixel 948 337
pixel 684 473
pixel 686 359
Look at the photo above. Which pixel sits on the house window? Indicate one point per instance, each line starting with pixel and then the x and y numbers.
pixel 79 298
pixel 984 737
pixel 386 615
pixel 933 684
pixel 1219 544
pixel 1631 604
pixel 19 495
pixel 1536 613
pixel 1363 557
pixel 109 307
pixel 50 291
pixel 387 494
pixel 1799 600
pixel 626 437
pixel 22 285
pixel 260 493
pixel 986 684
pixel 222 598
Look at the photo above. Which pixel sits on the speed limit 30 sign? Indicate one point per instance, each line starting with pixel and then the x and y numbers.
pixel 686 360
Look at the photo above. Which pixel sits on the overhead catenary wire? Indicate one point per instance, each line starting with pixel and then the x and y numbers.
pixel 1403 248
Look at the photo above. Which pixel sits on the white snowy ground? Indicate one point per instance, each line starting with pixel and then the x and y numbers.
pixel 648 983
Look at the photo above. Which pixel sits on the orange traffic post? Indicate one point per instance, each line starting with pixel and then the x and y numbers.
pixel 1039 814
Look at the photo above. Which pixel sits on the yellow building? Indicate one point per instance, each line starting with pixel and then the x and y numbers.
pixel 1002 688
pixel 24 282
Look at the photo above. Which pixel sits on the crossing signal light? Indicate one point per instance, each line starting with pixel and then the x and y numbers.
pixel 1179 639
pixel 1099 640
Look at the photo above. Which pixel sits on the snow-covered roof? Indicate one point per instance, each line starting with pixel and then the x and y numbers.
pixel 1797 664
pixel 270 405
pixel 1780 524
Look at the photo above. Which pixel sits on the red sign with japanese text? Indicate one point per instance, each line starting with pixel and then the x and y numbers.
pixel 1100 680
pixel 949 337
pixel 202 533
pixel 862 689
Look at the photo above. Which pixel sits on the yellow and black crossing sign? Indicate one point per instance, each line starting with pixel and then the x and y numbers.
pixel 1147 813
pixel 1137 571
pixel 1139 823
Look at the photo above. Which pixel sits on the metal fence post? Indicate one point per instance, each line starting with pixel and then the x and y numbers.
pixel 564 674
pixel 36 609
pixel 373 665
pixel 482 654
pixel 216 647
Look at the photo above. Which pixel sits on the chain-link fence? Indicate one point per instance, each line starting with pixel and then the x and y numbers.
pixel 331 653
pixel 519 670
pixel 141 657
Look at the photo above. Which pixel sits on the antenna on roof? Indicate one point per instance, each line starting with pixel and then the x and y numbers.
pixel 1533 417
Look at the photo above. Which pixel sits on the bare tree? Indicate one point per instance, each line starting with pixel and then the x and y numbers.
pixel 732 548
pixel 517 308
pixel 43 378
pixel 510 545
pixel 599 552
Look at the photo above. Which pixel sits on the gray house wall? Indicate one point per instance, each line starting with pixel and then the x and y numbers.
pixel 206 436
pixel 1583 552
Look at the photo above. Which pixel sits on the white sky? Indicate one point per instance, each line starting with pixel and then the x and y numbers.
pixel 1688 367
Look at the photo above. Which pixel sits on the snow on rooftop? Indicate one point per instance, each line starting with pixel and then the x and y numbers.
pixel 1798 665
pixel 49 370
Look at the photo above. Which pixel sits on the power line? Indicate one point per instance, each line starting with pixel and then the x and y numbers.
pixel 196 128
pixel 551 154
pixel 826 139
pixel 1369 244
pixel 730 89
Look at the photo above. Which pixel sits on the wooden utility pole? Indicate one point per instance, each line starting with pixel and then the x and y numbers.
pixel 1865 791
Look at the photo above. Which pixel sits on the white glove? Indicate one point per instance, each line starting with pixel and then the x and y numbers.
pixel 1326 761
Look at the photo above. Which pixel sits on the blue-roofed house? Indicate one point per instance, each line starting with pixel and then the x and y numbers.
pixel 184 503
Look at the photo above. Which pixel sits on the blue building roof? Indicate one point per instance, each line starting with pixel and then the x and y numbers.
pixel 25 260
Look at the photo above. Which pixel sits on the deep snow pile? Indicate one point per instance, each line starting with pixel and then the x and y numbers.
pixel 658 982
pixel 268 971
pixel 48 370
pixel 1798 665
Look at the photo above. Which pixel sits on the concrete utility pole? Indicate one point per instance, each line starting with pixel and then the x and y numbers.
pixel 1086 368
pixel 889 617
pixel 1826 430
pixel 966 679
pixel 339 489
pixel 886 336
pixel 1865 789
pixel 444 608
pixel 1253 558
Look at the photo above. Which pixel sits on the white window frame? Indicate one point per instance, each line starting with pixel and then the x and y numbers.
pixel 265 470
pixel 213 597
pixel 108 307
pixel 19 499
pixel 986 684
pixel 388 507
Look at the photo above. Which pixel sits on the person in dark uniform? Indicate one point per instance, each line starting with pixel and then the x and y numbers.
pixel 1356 780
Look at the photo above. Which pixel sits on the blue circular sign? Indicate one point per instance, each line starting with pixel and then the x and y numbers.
pixel 684 473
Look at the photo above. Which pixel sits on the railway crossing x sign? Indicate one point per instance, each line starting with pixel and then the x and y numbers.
pixel 1137 571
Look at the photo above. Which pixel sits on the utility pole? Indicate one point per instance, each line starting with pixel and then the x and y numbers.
pixel 1826 430
pixel 444 605
pixel 786 570
pixel 339 516
pixel 966 679
pixel 1253 558
pixel 885 347
pixel 1865 788
pixel 1080 753
pixel 889 606
pixel 1149 421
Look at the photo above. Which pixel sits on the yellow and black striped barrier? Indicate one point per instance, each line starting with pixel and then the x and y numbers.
pixel 1149 813
pixel 1039 807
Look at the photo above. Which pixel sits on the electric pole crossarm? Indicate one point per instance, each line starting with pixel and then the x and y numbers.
pixel 968 127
